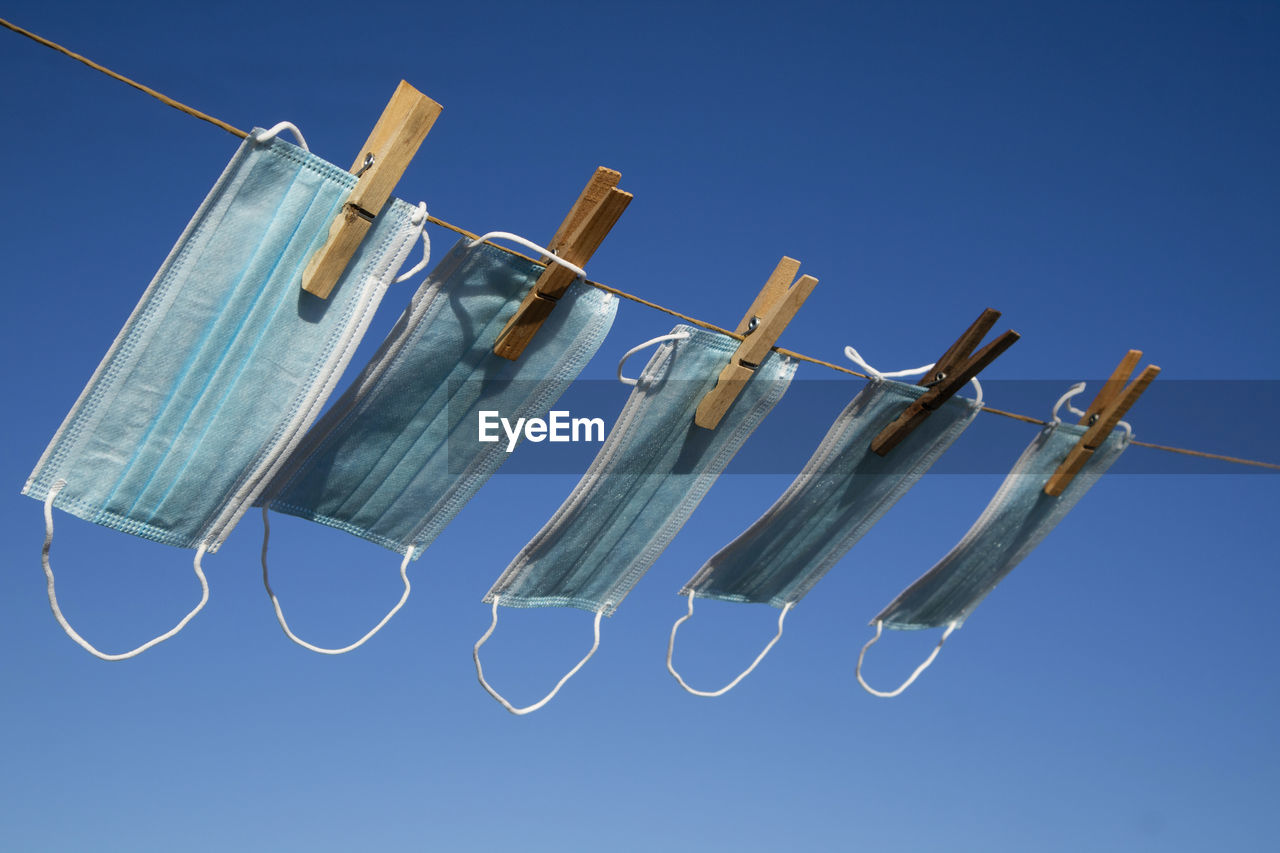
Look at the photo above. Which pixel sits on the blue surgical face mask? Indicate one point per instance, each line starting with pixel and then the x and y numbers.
pixel 842 491
pixel 1017 519
pixel 225 361
pixel 398 455
pixel 653 470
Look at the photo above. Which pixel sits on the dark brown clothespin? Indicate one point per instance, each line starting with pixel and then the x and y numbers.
pixel 948 375
pixel 773 308
pixel 1103 414
pixel 596 211
pixel 386 154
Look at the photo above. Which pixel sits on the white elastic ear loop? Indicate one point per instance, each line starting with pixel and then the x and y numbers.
pixel 671 646
pixel 627 380
pixel 57 611
pixel 1065 399
pixel 419 218
pixel 977 388
pixel 531 246
pixel 921 668
pixel 274 131
pixel 1071 392
pixel 519 712
pixel 856 357
pixel 404 566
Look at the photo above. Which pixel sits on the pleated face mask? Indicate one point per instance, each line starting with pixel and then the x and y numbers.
pixel 224 362
pixel 841 492
pixel 653 470
pixel 1017 519
pixel 398 455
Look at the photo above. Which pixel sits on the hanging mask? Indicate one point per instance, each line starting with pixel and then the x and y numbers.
pixel 1017 519
pixel 398 456
pixel 223 364
pixel 841 492
pixel 653 470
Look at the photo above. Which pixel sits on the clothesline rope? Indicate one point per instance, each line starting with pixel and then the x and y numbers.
pixel 622 294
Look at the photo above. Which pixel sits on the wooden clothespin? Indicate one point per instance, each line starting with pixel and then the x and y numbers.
pixel 386 154
pixel 1103 414
pixel 948 375
pixel 593 215
pixel 773 308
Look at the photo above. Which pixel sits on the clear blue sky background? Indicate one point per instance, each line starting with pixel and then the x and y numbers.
pixel 1104 173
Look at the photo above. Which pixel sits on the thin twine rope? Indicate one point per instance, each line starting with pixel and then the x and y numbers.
pixel 622 294
pixel 164 99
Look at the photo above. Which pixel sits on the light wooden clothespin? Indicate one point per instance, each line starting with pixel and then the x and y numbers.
pixel 386 154
pixel 948 375
pixel 1103 414
pixel 593 215
pixel 773 308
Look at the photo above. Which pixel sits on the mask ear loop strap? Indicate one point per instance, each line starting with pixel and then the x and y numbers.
pixel 404 566
pixel 856 357
pixel 1065 399
pixel 671 645
pixel 627 380
pixel 418 219
pixel 531 246
pixel 274 131
pixel 921 668
pixel 62 620
pixel 520 712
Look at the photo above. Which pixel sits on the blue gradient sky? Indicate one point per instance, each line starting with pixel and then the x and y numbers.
pixel 1104 173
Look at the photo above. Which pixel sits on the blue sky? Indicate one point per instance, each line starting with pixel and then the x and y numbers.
pixel 1104 173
